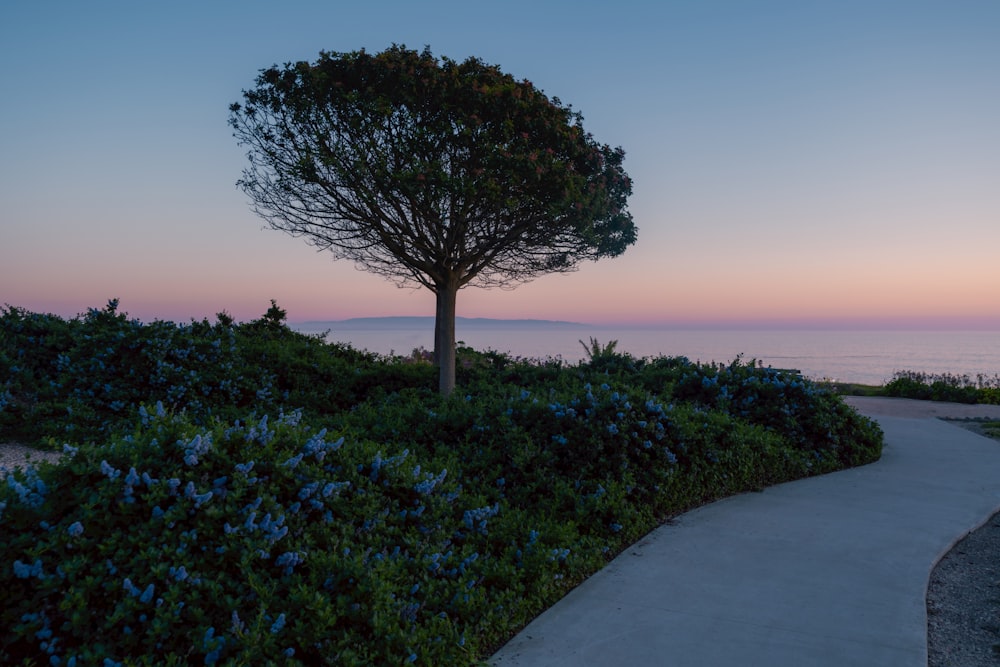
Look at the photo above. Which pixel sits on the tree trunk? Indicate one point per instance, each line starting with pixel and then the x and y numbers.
pixel 444 337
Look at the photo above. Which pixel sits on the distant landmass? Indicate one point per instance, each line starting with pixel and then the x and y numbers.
pixel 389 323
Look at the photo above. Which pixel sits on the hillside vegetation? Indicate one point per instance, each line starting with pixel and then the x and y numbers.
pixel 239 493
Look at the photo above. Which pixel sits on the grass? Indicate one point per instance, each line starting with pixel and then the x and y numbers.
pixel 854 388
pixel 985 427
pixel 946 387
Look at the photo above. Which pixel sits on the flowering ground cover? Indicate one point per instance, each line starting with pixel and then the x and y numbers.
pixel 244 494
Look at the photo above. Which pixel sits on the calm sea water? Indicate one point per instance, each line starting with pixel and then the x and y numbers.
pixel 870 357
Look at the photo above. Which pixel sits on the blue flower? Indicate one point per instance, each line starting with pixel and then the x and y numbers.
pixel 132 478
pixel 277 533
pixel 306 491
pixel 75 529
pixel 109 471
pixel 278 624
pixel 237 624
pixel 289 560
pixel 130 587
pixel 559 554
pixel 427 486
pixel 22 571
pixel 331 487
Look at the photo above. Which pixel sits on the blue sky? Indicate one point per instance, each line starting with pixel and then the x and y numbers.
pixel 793 161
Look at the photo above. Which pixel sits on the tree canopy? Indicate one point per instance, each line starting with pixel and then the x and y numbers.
pixel 430 172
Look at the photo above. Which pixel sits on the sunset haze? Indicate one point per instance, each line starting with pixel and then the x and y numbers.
pixel 794 164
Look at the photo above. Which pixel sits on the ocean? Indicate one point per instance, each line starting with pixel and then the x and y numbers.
pixel 868 357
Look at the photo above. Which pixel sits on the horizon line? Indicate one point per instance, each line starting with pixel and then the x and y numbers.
pixel 909 323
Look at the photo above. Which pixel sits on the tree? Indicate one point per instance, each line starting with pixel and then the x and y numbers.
pixel 430 172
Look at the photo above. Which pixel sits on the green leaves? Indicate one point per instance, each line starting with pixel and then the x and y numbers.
pixel 945 387
pixel 430 172
pixel 82 378
pixel 378 522
pixel 446 159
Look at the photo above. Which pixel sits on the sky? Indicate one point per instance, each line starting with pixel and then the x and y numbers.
pixel 795 162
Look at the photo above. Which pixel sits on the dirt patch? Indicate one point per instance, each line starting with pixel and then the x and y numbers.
pixel 13 455
pixel 988 429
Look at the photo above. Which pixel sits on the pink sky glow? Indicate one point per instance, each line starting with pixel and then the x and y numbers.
pixel 829 165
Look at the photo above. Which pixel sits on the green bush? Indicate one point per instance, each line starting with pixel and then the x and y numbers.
pixel 201 543
pixel 907 387
pixel 83 378
pixel 944 387
pixel 807 414
pixel 414 528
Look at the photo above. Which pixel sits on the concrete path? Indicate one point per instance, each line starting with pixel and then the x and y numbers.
pixel 827 571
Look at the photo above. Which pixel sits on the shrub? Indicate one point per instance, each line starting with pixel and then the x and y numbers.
pixel 811 417
pixel 415 527
pixel 81 379
pixel 944 387
pixel 247 543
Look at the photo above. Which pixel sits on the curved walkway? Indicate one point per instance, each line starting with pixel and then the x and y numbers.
pixel 826 571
